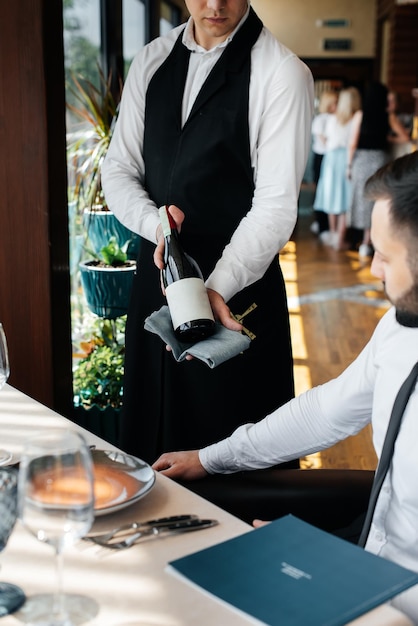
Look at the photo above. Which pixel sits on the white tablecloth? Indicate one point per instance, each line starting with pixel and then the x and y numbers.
pixel 131 587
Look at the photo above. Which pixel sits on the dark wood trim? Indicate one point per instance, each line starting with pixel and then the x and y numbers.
pixel 61 348
pixel 25 287
pixel 351 72
pixel 112 42
pixel 403 50
pixel 152 20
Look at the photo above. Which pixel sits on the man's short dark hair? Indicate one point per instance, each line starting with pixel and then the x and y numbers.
pixel 397 181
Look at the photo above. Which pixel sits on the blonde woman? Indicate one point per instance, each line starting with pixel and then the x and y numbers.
pixel 327 105
pixel 333 194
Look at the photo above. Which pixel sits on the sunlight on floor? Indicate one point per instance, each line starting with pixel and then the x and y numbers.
pixel 302 373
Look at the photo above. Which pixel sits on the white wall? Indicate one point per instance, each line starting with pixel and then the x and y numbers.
pixel 293 22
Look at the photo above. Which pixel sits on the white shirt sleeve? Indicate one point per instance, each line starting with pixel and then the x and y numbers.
pixel 280 119
pixel 315 420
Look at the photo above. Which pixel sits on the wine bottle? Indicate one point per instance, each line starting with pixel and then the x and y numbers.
pixel 185 289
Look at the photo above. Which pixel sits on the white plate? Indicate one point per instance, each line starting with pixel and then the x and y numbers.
pixel 119 480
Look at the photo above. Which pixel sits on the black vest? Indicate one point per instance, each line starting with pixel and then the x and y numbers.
pixel 205 167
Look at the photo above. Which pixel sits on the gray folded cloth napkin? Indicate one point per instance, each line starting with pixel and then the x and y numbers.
pixel 219 347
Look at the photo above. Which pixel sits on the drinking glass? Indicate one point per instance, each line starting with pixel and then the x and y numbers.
pixel 5 455
pixel 56 504
pixel 11 597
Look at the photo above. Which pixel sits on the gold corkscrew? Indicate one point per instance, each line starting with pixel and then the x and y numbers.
pixel 239 318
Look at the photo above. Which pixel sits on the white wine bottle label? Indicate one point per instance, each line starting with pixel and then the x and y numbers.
pixel 188 300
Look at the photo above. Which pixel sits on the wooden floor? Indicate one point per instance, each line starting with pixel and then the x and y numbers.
pixel 334 304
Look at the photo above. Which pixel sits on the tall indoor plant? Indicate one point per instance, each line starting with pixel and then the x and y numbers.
pixel 98 109
pixel 106 264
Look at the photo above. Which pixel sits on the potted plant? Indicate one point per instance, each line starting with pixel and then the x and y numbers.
pixel 107 279
pixel 98 379
pixel 97 108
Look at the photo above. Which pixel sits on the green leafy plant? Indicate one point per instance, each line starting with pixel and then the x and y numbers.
pixel 112 254
pixel 98 375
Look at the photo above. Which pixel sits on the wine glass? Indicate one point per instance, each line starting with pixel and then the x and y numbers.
pixel 11 596
pixel 56 504
pixel 5 455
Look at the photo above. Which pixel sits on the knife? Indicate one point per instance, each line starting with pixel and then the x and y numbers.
pixel 153 531
pixel 128 528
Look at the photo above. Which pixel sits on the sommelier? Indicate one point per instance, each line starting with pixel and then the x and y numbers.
pixel 215 122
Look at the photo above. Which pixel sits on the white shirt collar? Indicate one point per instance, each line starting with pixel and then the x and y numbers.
pixel 190 42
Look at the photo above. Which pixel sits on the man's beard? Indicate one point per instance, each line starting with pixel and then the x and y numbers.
pixel 407 308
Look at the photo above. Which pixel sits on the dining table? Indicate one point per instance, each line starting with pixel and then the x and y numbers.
pixel 130 587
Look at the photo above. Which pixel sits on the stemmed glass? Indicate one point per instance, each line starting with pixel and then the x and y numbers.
pixel 11 596
pixel 5 455
pixel 56 504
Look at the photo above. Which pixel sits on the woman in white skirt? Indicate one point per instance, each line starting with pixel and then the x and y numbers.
pixel 333 193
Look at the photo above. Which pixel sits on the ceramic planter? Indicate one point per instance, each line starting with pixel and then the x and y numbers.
pixel 102 225
pixel 107 289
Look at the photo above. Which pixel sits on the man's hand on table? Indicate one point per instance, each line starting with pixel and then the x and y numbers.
pixel 185 465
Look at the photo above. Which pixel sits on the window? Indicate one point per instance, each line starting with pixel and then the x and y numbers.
pixel 82 38
pixel 85 52
pixel 133 21
pixel 170 16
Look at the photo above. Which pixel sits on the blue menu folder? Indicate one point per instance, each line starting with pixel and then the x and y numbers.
pixel 289 573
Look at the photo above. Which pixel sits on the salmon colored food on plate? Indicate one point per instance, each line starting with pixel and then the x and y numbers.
pixel 119 480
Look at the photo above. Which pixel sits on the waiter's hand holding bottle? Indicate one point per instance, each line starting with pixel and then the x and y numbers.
pixel 220 309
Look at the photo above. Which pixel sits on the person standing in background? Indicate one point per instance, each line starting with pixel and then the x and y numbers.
pixel 368 150
pixel 399 136
pixel 333 194
pixel 215 122
pixel 327 105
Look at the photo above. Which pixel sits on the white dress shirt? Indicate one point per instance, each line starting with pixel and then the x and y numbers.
pixel 280 118
pixel 319 124
pixel 363 393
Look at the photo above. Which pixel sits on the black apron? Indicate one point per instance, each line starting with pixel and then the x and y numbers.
pixel 205 169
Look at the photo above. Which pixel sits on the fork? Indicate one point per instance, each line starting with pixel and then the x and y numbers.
pixel 154 531
pixel 127 528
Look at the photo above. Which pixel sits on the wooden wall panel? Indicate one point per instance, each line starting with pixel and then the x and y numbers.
pixel 31 275
pixel 403 49
pixel 403 60
pixel 384 8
